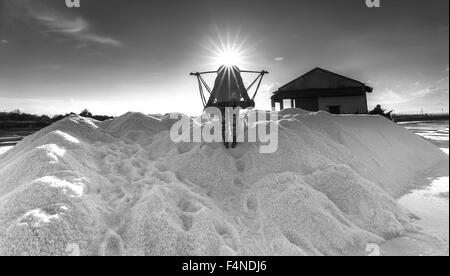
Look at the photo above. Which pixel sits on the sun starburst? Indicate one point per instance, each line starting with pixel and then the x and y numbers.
pixel 228 51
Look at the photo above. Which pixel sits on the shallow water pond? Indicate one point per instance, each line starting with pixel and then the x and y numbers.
pixel 430 204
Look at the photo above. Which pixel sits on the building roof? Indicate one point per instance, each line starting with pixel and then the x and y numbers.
pixel 320 82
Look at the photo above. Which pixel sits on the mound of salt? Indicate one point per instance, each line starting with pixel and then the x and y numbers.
pixel 134 126
pixel 122 187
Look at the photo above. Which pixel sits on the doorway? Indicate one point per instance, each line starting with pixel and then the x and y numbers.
pixel 334 109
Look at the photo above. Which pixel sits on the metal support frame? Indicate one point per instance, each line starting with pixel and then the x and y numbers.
pixel 202 83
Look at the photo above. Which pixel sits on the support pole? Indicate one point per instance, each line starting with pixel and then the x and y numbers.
pixel 202 95
pixel 259 85
pixel 205 84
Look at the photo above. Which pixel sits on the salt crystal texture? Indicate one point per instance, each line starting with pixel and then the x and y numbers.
pixel 122 187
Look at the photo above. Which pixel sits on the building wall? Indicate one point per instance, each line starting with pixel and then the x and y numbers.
pixel 348 105
pixel 309 104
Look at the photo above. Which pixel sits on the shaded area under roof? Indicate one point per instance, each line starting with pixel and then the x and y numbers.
pixel 321 83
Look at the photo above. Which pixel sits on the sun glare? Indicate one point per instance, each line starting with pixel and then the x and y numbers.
pixel 228 51
pixel 229 57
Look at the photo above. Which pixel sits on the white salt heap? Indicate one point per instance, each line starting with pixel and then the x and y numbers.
pixel 122 187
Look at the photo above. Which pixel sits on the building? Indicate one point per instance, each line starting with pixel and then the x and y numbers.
pixel 320 89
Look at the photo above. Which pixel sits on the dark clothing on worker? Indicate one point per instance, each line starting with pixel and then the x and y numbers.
pixel 229 125
pixel 229 89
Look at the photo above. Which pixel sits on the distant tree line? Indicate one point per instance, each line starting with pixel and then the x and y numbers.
pixel 85 113
pixel 17 118
pixel 378 110
pixel 419 117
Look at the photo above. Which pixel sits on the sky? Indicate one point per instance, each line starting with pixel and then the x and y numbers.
pixel 114 56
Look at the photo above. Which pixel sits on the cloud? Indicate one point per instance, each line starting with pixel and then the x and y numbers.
pixel 101 40
pixel 4 41
pixel 77 28
pixel 279 58
pixel 443 80
pixel 423 92
pixel 430 99
pixel 389 96
pixel 268 87
pixel 56 22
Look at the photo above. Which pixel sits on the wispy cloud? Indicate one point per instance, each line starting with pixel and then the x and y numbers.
pixel 424 92
pixel 268 87
pixel 279 58
pixel 4 41
pixel 77 28
pixel 389 96
pixel 100 39
pixel 443 80
pixel 57 22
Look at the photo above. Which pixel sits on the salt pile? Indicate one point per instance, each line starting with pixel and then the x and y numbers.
pixel 122 187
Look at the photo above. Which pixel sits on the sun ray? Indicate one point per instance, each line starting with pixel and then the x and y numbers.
pixel 228 49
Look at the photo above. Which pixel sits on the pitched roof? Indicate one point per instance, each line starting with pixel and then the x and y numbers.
pixel 319 81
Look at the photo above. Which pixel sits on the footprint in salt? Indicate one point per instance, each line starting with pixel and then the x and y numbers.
pixel 240 165
pixel 186 222
pixel 238 183
pixel 225 233
pixel 164 177
pixel 189 206
pixel 112 245
pixel 252 204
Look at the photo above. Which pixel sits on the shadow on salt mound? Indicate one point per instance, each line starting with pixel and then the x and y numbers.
pixel 365 203
pixel 291 211
pixel 44 217
pixel 134 126
pixel 325 123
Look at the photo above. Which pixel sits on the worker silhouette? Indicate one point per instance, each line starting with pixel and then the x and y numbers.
pixel 229 91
